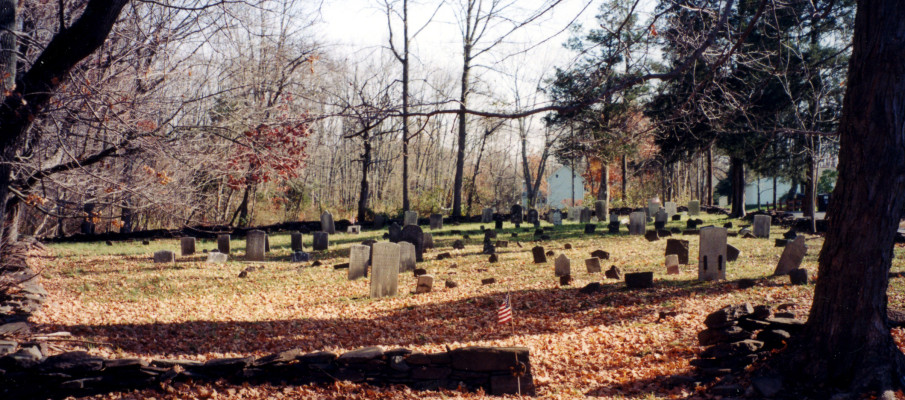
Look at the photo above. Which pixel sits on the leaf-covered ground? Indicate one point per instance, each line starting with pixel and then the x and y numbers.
pixel 611 344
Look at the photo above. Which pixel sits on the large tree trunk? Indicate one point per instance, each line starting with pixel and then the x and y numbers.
pixel 848 339
pixel 603 193
pixel 624 180
pixel 460 150
pixel 708 190
pixel 809 203
pixel 737 172
pixel 405 107
pixel 363 193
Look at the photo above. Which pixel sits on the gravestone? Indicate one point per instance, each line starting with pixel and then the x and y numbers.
pixel 556 217
pixel 395 233
pixel 636 223
pixel 295 241
pixel 188 246
pixel 414 235
pixel 562 266
pixel 254 245
pixel 164 256
pixel 428 241
pixel 762 226
pixel 601 208
pixel 223 243
pixel 436 221
pixel 639 280
pixel 652 235
pixel 533 216
pixel 671 208
pixel 679 248
pixel 694 208
pixel 384 269
pixel 614 217
pixel 672 264
pixel 407 256
pixel 354 229
pixel 584 216
pixel 489 248
pixel 410 218
pixel 300 256
pixel 515 214
pixel 660 219
pixel 498 224
pixel 712 254
pixel 486 215
pixel 216 257
pixel 791 257
pixel 593 265
pixel 613 227
pixel 538 253
pixel 732 253
pixel 425 284
pixel 320 241
pixel 601 254
pixel 327 224
pixel 653 205
pixel 574 213
pixel 266 243
pixel 614 273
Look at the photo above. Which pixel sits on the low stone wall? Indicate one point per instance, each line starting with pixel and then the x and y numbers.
pixel 26 374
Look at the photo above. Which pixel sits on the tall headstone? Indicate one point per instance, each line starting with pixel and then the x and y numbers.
pixel 515 214
pixel 562 266
pixel 320 241
pixel 384 269
pixel 410 218
pixel 188 246
pixel 671 208
pixel 762 226
pixel 694 208
pixel 359 256
pixel 406 257
pixel 636 223
pixel 395 233
pixel 602 208
pixel 712 254
pixel 223 243
pixel 486 215
pixel 414 235
pixel 295 241
pixel 327 223
pixel 533 216
pixel 556 217
pixel 679 248
pixel 164 256
pixel 254 245
pixel 584 216
pixel 436 221
pixel 792 256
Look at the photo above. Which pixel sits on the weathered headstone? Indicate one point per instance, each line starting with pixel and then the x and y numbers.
pixel 164 256
pixel 671 209
pixel 410 218
pixel 584 216
pixel 614 272
pixel 762 226
pixel 327 224
pixel 652 235
pixel 295 241
pixel 428 241
pixel 353 229
pixel 216 257
pixel 538 253
pixel 384 269
pixel 300 256
pixel 798 276
pixel 486 215
pixel 636 223
pixel 792 256
pixel 712 254
pixel 672 264
pixel 414 235
pixel 653 205
pixel 533 217
pixel 694 208
pixel 515 214
pixel 660 219
pixel 425 284
pixel 407 257
pixel 320 241
pixel 436 221
pixel 732 253
pixel 187 245
pixel 556 217
pixel 593 265
pixel 395 233
pixel 223 243
pixel 254 245
pixel 562 266
pixel 723 201
pixel 602 209
pixel 601 254
pixel 614 217
pixel 679 248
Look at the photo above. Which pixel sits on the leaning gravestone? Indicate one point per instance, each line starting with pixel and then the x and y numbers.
pixel 395 233
pixel 486 215
pixel 712 254
pixel 694 207
pixel 792 256
pixel 660 219
pixel 254 245
pixel 556 217
pixel 410 218
pixel 359 256
pixel 436 221
pixel 602 208
pixel 593 265
pixel 636 223
pixel 515 214
pixel 164 256
pixel 584 216
pixel 679 248
pixel 187 245
pixel 295 241
pixel 320 241
pixel 414 235
pixel 671 208
pixel 533 216
pixel 223 243
pixel 406 257
pixel 428 241
pixel 538 253
pixel 327 224
pixel 762 226
pixel 384 269
pixel 562 266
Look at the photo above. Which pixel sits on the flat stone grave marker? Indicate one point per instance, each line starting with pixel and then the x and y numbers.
pixel 562 266
pixel 791 257
pixel 327 224
pixel 762 226
pixel 538 253
pixel 556 217
pixel 694 208
pixel 295 241
pixel 584 216
pixel 593 265
pixel 425 284
pixel 410 218
pixel 320 241
pixel 407 256
pixel 636 223
pixel 486 215
pixel 216 257
pixel 164 256
pixel 712 254
pixel 602 209
pixel 515 214
pixel 187 245
pixel 385 270
pixel 428 241
pixel 679 248
pixel 395 233
pixel 223 243
pixel 353 229
pixel 414 235
pixel 672 264
pixel 436 221
pixel 671 208
pixel 254 245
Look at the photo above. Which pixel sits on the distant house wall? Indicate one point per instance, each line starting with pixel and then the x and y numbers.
pixel 766 191
pixel 560 188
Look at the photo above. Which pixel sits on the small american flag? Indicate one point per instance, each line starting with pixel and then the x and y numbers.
pixel 504 314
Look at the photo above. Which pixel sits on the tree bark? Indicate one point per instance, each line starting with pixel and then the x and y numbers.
pixel 405 107
pixel 603 193
pixel 849 343
pixel 363 193
pixel 809 203
pixel 737 172
pixel 708 190
pixel 463 106
pixel 624 180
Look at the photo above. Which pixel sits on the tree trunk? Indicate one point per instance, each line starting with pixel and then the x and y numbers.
pixel 809 203
pixel 708 190
pixel 624 180
pixel 363 193
pixel 603 193
pixel 405 107
pixel 737 172
pixel 463 98
pixel 848 338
